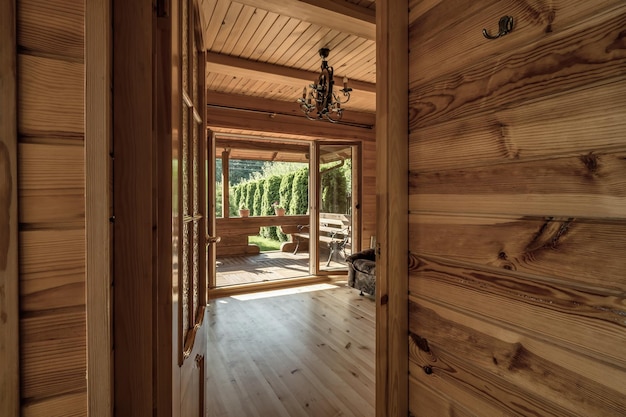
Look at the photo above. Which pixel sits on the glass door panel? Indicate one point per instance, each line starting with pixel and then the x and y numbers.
pixel 336 216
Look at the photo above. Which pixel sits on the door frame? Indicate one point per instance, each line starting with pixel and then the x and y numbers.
pixel 391 29
pixel 315 208
pixel 98 205
pixel 9 269
pixel 392 347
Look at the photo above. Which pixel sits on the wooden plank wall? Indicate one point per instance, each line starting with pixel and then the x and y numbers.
pixel 51 189
pixel 368 192
pixel 517 198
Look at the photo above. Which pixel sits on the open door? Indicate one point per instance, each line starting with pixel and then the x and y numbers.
pixel 337 201
pixel 181 330
pixel 192 265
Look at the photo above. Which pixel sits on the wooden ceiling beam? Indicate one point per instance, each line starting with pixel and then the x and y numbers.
pixel 238 101
pixel 261 71
pixel 343 16
pixel 235 142
pixel 254 121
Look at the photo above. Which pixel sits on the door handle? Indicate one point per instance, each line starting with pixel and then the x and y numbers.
pixel 212 239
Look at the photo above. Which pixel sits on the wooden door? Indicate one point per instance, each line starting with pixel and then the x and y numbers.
pixel 182 285
pixel 191 208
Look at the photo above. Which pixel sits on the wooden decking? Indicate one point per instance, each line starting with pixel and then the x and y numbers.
pixel 266 266
pixel 300 354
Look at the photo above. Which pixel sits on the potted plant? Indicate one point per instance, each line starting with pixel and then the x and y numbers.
pixel 244 211
pixel 278 209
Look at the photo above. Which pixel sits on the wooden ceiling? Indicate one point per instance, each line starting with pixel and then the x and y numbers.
pixel 261 53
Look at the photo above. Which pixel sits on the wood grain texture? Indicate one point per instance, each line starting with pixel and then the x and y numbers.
pixel 553 126
pixel 9 266
pixel 292 353
pixel 517 202
pixel 54 27
pixel 511 370
pixel 392 204
pixel 584 185
pixel 51 167
pixel 368 192
pixel 452 41
pixel 284 124
pixel 53 206
pixel 51 188
pixel 51 96
pixel 596 324
pixel 47 253
pixel 569 60
pixel 133 183
pixel 98 208
pixel 568 249
pixel 70 405
pixel 53 354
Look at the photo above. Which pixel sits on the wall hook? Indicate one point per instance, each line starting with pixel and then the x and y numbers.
pixel 505 25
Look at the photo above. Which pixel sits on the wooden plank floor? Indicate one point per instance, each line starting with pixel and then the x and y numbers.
pixel 266 266
pixel 292 354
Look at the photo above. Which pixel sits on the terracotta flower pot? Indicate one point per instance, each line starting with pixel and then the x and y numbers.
pixel 279 211
pixel 244 212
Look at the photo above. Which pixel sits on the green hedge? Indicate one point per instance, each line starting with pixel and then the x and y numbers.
pixel 299 203
pixel 291 191
pixel 334 192
pixel 271 194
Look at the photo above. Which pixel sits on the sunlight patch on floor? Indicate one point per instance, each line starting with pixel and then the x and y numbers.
pixel 286 291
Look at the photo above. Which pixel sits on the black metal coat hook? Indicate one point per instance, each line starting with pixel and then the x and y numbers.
pixel 505 25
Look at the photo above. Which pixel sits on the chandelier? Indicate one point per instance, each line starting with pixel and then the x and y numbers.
pixel 320 102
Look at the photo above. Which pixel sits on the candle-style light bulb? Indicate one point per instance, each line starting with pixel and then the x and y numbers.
pixel 345 82
pixel 304 93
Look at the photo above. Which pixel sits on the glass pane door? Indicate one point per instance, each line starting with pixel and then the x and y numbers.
pixel 337 203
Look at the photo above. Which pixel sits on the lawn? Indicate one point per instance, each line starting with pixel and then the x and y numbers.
pixel 264 243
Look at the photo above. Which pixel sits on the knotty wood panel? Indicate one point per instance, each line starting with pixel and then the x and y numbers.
pixel 517 195
pixel 557 125
pixel 573 250
pixel 514 372
pixel 455 40
pixel 51 96
pixel 595 321
pixel 436 398
pixel 538 70
pixel 587 185
pixel 53 354
pixel 53 27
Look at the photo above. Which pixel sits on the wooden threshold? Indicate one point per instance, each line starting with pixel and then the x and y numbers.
pixel 272 285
